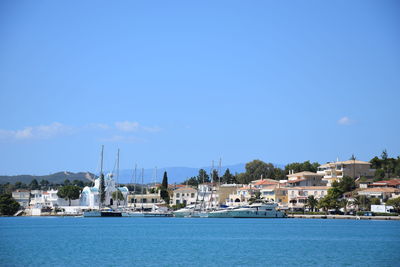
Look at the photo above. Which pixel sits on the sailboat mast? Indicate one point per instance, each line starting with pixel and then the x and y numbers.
pixel 219 170
pixel 101 174
pixel 117 178
pixel 101 159
pixel 142 186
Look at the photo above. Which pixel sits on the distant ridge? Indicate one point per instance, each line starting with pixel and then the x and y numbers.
pixel 56 178
pixel 175 175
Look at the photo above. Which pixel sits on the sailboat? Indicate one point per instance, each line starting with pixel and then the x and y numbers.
pixel 102 211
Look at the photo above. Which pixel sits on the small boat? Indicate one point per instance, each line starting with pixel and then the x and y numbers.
pixel 184 212
pixel 107 212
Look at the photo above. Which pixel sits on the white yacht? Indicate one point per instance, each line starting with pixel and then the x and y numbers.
pixel 185 212
pixel 255 210
pixel 258 210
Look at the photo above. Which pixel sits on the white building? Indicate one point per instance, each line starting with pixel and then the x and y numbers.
pixel 90 196
pixel 305 178
pixel 22 196
pixel 42 199
pixel 334 171
pixel 298 196
pixel 184 195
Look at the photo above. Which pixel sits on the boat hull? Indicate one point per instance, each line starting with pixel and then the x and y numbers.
pixel 102 214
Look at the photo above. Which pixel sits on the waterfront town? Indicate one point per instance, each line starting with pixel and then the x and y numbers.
pixel 350 187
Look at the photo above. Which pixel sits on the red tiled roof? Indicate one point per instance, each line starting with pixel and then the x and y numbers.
pixel 266 182
pixel 393 182
pixel 382 189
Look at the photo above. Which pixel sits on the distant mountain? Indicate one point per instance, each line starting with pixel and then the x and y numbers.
pixel 56 178
pixel 175 174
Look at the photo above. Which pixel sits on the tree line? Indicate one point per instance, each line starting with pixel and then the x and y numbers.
pixel 254 170
pixel 385 166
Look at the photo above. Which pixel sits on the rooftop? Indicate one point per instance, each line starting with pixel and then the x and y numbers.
pixel 346 162
pixel 304 174
pixel 381 190
pixel 309 188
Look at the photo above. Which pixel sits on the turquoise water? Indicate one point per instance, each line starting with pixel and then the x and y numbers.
pixel 27 241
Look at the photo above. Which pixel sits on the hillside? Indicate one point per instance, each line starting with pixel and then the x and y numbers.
pixel 55 178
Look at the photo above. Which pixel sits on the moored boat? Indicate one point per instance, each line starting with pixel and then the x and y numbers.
pixel 257 210
pixel 102 213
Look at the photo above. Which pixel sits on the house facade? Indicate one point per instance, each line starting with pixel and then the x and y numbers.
pixel 184 195
pixel 305 178
pixel 22 196
pixel 298 196
pixel 334 171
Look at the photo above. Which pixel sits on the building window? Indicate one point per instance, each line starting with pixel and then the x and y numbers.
pixel 192 195
pixel 177 195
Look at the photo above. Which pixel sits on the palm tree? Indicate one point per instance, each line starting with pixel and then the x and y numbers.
pixel 312 202
pixel 117 195
pixel 361 202
pixel 323 204
pixel 343 203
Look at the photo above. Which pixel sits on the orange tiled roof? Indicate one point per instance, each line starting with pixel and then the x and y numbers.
pixel 382 189
pixel 393 182
pixel 266 182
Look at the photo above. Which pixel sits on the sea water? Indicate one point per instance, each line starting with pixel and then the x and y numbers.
pixel 68 241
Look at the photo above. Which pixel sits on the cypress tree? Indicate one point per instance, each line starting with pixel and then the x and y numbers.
pixel 164 189
pixel 102 189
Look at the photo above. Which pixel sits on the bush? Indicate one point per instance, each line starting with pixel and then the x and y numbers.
pixel 8 206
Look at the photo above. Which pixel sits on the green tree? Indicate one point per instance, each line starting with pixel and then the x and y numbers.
pixel 300 167
pixel 257 196
pixel 44 184
pixel 8 205
pixel 375 201
pixel 102 189
pixel 376 163
pixel 228 178
pixel 192 181
pixel 257 169
pixel 203 177
pixel 67 182
pixel 18 185
pixel 69 192
pixel 324 204
pixel 379 174
pixel 215 176
pixel 395 202
pixel 164 189
pixel 347 184
pixel 34 185
pixel 362 202
pixel 79 183
pixel 343 204
pixel 312 202
pixel 118 196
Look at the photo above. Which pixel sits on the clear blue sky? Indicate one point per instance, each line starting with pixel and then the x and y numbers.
pixel 180 83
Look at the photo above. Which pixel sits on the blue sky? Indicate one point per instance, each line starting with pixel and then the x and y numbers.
pixel 180 83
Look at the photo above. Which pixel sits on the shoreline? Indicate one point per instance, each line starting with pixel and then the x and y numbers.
pixel 291 216
pixel 342 217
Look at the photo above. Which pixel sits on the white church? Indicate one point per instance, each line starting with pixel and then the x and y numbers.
pixel 90 196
